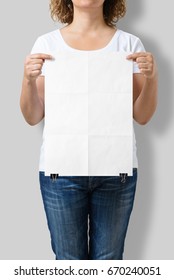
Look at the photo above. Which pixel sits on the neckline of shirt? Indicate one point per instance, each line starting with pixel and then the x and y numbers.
pixel 114 37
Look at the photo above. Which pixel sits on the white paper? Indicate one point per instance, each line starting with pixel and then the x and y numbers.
pixel 88 114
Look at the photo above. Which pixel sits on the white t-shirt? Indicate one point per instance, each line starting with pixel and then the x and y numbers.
pixel 121 41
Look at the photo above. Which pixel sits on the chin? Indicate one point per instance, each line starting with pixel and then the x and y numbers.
pixel 87 3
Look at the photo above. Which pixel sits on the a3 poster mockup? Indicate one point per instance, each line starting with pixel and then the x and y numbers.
pixel 88 114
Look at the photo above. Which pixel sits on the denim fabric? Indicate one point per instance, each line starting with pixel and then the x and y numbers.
pixel 88 216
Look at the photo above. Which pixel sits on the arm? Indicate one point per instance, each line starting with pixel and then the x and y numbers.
pixel 145 87
pixel 32 94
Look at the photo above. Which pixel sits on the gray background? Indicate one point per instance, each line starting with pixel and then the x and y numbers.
pixel 23 232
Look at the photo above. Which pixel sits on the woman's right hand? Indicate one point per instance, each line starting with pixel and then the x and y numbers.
pixel 33 65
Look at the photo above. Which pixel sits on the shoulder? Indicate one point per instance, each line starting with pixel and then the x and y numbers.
pixel 49 35
pixel 128 35
pixel 46 42
pixel 130 41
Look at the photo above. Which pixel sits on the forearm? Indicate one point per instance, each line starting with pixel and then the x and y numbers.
pixel 145 105
pixel 30 104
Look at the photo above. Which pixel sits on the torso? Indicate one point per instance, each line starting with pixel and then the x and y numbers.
pixel 123 42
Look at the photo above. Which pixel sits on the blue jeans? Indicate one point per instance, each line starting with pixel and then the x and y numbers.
pixel 88 216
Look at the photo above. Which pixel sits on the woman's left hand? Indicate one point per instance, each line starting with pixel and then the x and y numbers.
pixel 146 63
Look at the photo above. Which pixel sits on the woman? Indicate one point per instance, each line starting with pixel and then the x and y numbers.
pixel 106 201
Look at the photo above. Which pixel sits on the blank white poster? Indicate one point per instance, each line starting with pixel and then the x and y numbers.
pixel 88 114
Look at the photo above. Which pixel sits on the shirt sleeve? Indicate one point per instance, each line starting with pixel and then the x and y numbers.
pixel 39 47
pixel 137 47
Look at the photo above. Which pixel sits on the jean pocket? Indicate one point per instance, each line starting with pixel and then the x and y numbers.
pixel 48 180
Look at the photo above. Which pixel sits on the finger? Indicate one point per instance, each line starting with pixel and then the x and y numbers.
pixel 41 56
pixel 36 67
pixel 141 59
pixel 36 61
pixel 35 73
pixel 134 56
pixel 143 65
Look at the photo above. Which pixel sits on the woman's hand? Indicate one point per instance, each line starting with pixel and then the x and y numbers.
pixel 32 94
pixel 145 88
pixel 33 65
pixel 146 63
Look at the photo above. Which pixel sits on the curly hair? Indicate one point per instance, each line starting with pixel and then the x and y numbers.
pixel 62 10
